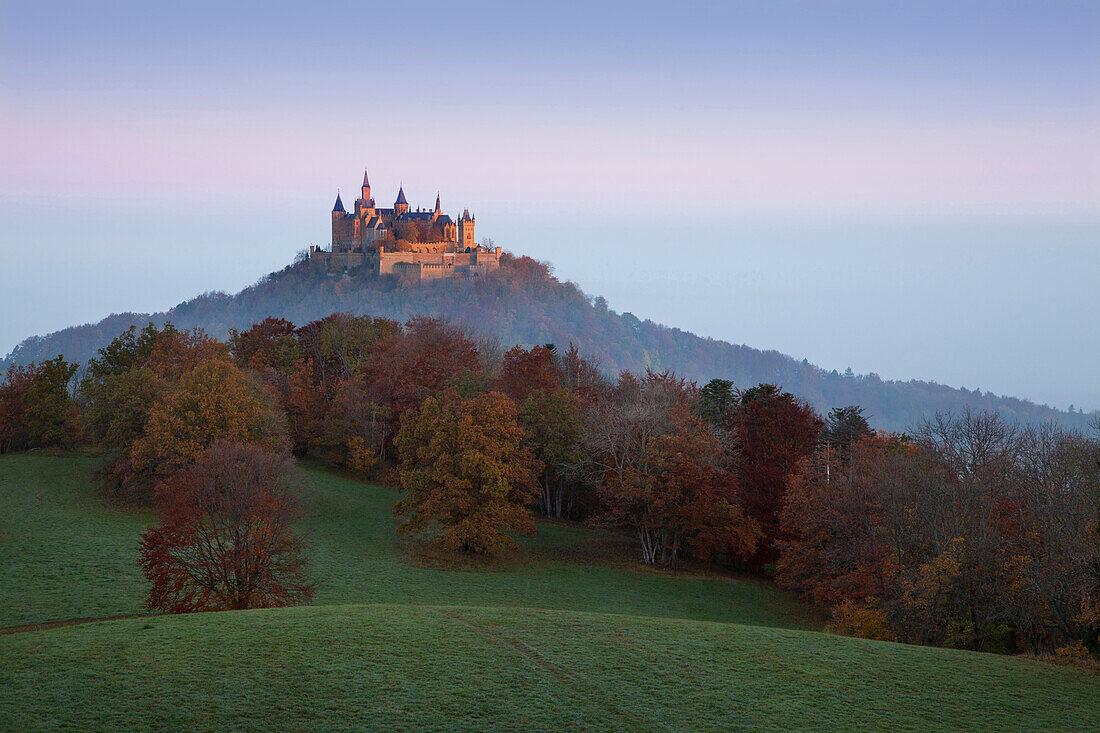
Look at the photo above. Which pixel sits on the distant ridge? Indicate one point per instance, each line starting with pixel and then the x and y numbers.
pixel 523 303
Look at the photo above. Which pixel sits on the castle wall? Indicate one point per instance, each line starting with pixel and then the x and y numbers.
pixel 433 265
pixel 341 260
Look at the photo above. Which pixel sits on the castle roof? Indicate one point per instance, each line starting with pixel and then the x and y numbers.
pixel 366 182
pixel 400 196
pixel 339 205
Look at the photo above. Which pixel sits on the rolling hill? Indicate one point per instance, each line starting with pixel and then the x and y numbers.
pixel 573 634
pixel 525 304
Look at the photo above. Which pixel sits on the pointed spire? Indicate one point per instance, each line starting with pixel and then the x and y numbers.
pixel 437 202
pixel 401 196
pixel 366 182
pixel 339 205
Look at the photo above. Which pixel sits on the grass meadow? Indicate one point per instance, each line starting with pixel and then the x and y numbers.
pixel 572 634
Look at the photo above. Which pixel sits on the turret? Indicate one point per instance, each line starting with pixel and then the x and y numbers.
pixel 340 233
pixel 401 206
pixel 366 187
pixel 466 229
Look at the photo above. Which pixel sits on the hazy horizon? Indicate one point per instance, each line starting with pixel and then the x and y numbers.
pixel 912 190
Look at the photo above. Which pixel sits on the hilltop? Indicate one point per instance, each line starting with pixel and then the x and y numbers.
pixel 523 303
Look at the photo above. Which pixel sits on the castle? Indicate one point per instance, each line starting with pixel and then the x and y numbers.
pixel 420 244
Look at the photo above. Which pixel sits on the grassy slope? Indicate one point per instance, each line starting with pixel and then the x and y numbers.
pixel 66 552
pixel 401 667
pixel 596 647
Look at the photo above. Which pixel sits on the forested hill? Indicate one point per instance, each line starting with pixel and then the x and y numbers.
pixel 525 304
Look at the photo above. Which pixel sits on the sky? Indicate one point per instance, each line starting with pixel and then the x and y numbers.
pixel 905 188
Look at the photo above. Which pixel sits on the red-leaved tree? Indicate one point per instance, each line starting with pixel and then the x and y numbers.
pixel 224 540
pixel 774 431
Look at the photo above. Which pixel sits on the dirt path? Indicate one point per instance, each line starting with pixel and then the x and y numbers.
pixel 43 625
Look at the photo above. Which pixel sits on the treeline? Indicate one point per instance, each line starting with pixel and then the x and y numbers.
pixel 525 304
pixel 970 531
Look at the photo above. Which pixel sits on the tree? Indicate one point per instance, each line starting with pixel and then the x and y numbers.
pixel 524 370
pixel 660 472
pixel 216 401
pixel 553 421
pixel 845 426
pixel 582 376
pixel 340 344
pixel 774 431
pixel 419 362
pixel 838 544
pixel 464 466
pixel 120 406
pixel 355 431
pixel 716 399
pixel 224 539
pixel 36 408
pixel 270 344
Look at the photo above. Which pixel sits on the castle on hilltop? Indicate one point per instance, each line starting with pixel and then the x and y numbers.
pixel 421 245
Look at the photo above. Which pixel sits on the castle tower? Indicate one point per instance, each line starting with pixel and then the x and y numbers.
pixel 437 212
pixel 339 226
pixel 466 229
pixel 401 206
pixel 364 206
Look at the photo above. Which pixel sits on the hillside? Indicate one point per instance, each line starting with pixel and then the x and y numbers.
pixel 573 634
pixel 68 552
pixel 524 303
pixel 400 667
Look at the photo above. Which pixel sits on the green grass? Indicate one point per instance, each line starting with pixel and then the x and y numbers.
pixel 67 552
pixel 571 634
pixel 399 667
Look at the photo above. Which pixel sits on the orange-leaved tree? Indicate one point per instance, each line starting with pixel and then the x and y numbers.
pixel 215 401
pixel 224 539
pixel 464 466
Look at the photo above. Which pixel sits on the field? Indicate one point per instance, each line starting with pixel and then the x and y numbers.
pixel 573 634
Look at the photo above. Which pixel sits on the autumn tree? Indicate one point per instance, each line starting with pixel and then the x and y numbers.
pixel 129 350
pixel 661 474
pixel 839 538
pixel 215 401
pixel 773 431
pixel 465 467
pixel 355 431
pixel 36 407
pixel 340 344
pixel 224 540
pixel 418 363
pixel 582 376
pixel 270 344
pixel 524 370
